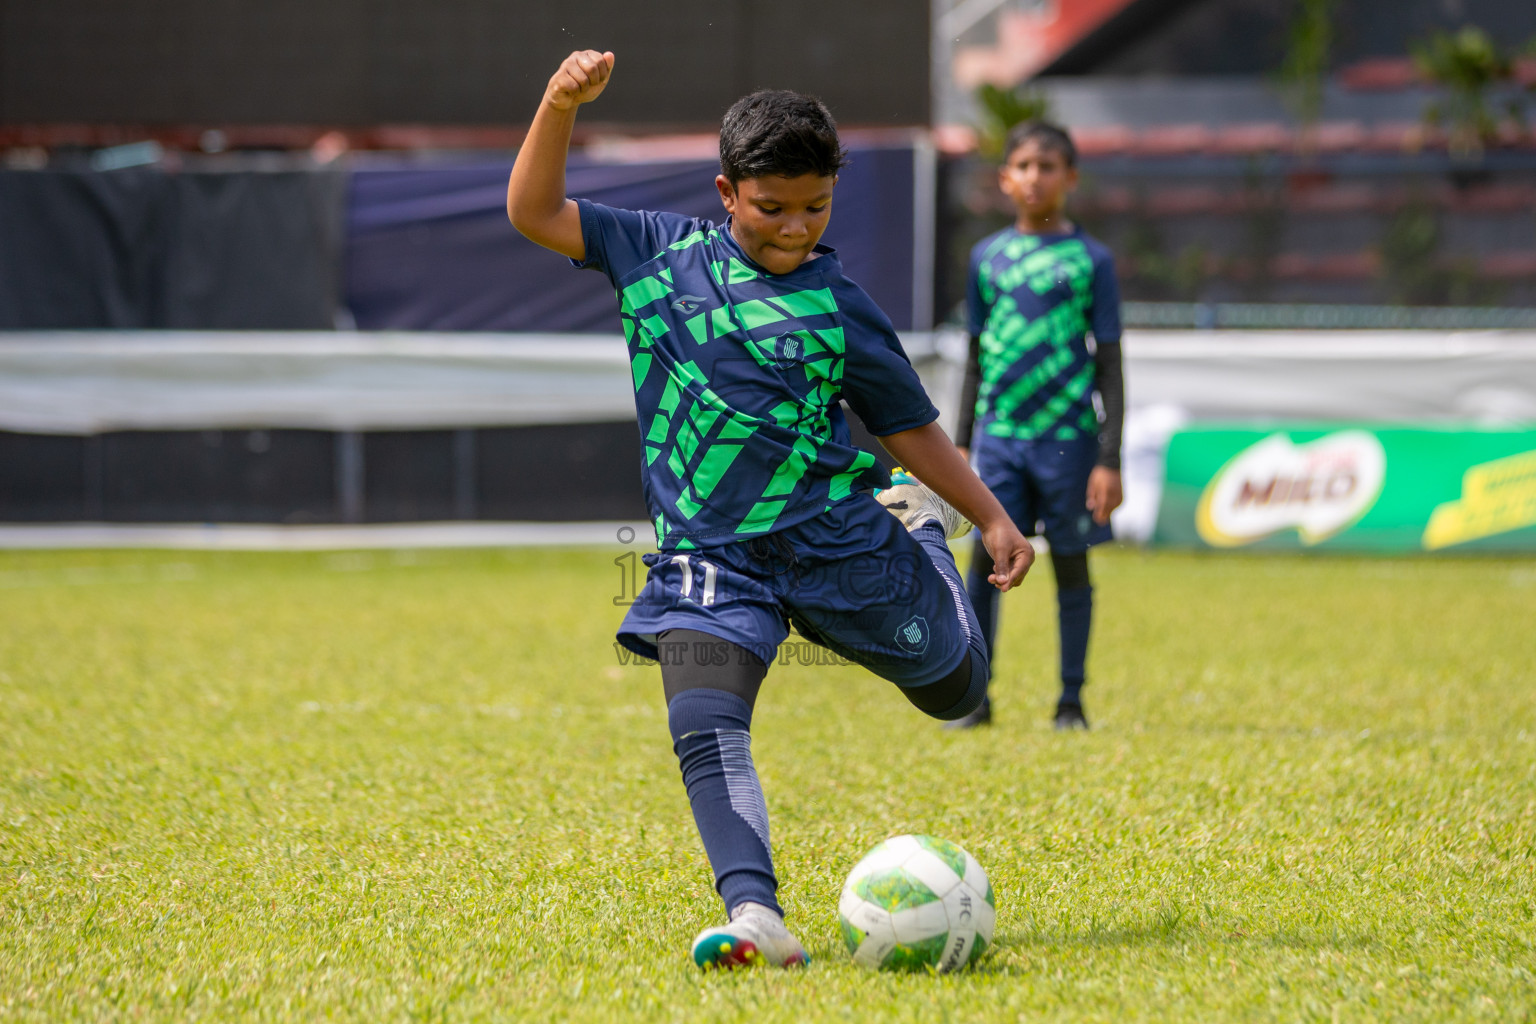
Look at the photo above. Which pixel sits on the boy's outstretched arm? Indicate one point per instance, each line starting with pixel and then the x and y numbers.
pixel 536 201
pixel 927 453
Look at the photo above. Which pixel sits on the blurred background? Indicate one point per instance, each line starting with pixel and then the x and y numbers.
pixel 255 265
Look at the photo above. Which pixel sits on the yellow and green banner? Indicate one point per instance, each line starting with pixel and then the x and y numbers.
pixel 1350 488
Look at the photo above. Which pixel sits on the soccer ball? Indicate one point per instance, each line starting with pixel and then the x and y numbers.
pixel 917 902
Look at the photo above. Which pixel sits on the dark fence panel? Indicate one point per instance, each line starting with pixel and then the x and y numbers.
pixel 229 476
pixel 43 477
pixel 408 476
pixel 143 248
pixel 557 473
pixel 560 472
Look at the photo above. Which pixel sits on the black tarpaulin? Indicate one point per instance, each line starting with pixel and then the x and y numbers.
pixel 144 248
pixel 430 249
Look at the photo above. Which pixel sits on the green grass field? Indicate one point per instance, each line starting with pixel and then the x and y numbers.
pixel 420 786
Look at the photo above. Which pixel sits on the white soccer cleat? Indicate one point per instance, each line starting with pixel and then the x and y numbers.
pixel 756 936
pixel 909 500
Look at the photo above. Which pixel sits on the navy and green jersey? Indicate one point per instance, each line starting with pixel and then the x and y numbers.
pixel 738 376
pixel 1032 301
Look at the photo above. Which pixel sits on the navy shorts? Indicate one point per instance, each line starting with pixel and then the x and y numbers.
pixel 1043 486
pixel 852 580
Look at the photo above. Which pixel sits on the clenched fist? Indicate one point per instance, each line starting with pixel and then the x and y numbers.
pixel 581 79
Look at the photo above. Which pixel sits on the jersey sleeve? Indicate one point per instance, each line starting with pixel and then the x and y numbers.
pixel 976 309
pixel 1104 317
pixel 618 240
pixel 879 382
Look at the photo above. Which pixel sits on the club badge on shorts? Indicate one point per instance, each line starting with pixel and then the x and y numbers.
pixel 912 635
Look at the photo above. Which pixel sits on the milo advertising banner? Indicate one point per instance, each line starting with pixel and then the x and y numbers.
pixel 1350 488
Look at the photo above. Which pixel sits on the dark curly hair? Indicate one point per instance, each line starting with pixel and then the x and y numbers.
pixel 1048 135
pixel 781 133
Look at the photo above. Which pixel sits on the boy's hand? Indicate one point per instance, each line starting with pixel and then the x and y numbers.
pixel 927 454
pixel 581 79
pixel 1104 494
pixel 1012 554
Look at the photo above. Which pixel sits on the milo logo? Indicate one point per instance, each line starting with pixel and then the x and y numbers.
pixel 1318 489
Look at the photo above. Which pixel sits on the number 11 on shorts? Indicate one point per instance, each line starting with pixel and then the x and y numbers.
pixel 707 598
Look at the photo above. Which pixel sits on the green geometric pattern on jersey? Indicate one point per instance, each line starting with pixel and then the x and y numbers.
pixel 1021 355
pixel 694 433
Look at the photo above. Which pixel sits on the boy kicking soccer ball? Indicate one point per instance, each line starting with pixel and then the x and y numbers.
pixel 743 338
pixel 1036 289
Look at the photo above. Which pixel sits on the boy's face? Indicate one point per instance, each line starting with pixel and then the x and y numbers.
pixel 1037 179
pixel 778 221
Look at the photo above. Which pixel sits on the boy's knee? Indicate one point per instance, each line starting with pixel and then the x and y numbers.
pixel 700 661
pixel 705 710
pixel 958 693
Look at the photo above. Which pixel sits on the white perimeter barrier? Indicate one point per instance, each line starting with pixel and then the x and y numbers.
pixel 89 382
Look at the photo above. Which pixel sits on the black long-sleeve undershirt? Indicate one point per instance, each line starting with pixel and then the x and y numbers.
pixel 1108 380
pixel 970 387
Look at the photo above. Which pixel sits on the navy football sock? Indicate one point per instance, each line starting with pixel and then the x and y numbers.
pixel 711 733
pixel 1075 615
pixel 968 681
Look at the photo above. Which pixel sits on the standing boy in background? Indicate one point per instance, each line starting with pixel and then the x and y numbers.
pixel 1035 291
pixel 743 338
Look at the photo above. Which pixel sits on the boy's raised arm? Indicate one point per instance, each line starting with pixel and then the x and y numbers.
pixel 536 201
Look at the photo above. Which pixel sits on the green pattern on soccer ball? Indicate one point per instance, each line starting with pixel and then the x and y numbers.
pixel 990 901
pixel 917 955
pixel 946 851
pixel 853 937
pixel 978 947
pixel 893 890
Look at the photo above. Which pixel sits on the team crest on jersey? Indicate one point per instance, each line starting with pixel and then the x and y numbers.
pixel 788 351
pixel 912 635
pixel 688 303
